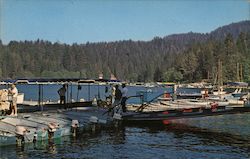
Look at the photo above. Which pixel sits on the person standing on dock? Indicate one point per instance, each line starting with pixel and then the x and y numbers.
pixel 106 93
pixel 62 92
pixel 124 97
pixel 13 92
pixel 118 96
pixel 113 91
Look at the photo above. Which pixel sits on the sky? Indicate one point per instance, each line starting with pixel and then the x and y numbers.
pixel 81 21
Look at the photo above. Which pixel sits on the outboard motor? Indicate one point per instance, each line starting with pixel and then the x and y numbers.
pixel 52 127
pixel 20 133
pixel 74 125
pixel 94 121
pixel 35 137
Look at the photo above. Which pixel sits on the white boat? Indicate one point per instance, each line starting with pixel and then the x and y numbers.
pixel 176 104
pixel 163 105
pixel 11 133
pixel 34 129
pixel 183 104
pixel 234 101
pixel 60 126
pixel 7 134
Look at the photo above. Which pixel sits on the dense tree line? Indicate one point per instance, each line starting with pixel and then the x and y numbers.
pixel 180 57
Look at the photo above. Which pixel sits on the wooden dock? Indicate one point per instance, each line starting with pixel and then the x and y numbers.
pixel 33 106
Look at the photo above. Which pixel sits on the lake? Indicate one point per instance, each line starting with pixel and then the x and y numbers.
pixel 225 136
pixel 211 137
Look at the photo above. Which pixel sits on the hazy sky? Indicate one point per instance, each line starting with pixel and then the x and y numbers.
pixel 69 21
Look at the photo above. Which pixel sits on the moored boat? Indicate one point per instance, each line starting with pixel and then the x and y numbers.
pixel 178 113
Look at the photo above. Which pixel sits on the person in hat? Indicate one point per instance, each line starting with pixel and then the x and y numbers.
pixel 124 97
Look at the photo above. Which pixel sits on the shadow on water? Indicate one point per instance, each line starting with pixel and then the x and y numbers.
pixel 181 129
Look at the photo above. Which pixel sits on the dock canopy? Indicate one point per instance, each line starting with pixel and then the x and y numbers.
pixel 86 81
pixel 46 80
pixel 108 80
pixel 20 81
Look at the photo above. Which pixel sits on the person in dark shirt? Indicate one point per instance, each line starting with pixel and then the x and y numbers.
pixel 118 97
pixel 124 97
pixel 62 92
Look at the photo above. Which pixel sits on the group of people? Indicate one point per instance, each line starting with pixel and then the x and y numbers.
pixel 13 93
pixel 119 96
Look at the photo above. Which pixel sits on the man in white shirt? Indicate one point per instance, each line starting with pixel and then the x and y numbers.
pixel 124 97
pixel 13 92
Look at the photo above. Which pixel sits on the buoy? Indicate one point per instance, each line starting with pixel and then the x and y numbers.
pixel 93 119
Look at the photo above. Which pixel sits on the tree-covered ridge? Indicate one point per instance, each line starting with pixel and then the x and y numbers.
pixel 179 57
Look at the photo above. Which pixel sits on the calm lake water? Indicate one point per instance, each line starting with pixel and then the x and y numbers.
pixel 211 137
pixel 226 136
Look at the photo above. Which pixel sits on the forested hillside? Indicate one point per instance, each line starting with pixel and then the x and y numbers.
pixel 179 57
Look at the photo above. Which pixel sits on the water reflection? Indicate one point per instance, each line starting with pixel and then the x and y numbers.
pixel 20 151
pixel 183 136
pixel 51 148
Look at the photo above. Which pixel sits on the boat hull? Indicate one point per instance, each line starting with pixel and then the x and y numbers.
pixel 178 114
